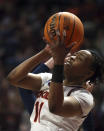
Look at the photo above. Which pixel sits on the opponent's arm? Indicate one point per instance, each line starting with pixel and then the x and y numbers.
pixel 28 99
pixel 21 76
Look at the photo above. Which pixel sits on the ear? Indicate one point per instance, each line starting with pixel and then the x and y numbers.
pixel 88 86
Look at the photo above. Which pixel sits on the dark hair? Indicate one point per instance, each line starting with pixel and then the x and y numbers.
pixel 97 67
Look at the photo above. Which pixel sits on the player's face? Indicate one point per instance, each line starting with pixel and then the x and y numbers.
pixel 78 64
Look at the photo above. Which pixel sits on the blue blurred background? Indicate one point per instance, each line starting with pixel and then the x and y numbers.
pixel 21 31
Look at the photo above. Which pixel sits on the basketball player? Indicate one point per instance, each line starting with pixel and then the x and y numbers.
pixel 29 98
pixel 61 104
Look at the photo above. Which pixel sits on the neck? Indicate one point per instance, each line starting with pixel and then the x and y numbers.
pixel 68 83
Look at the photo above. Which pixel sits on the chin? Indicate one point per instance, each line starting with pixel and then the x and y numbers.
pixel 67 72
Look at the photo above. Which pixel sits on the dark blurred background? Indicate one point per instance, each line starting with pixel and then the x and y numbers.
pixel 21 31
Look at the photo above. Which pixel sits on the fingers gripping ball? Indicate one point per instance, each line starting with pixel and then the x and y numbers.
pixel 70 23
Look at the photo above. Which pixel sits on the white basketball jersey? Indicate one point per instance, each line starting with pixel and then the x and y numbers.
pixel 43 120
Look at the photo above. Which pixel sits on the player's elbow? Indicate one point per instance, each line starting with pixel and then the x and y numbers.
pixel 11 79
pixel 53 109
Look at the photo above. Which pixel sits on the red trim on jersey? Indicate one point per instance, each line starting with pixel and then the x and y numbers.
pixel 41 105
pixel 36 109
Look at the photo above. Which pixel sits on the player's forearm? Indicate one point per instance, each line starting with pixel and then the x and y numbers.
pixel 56 95
pixel 27 66
pixel 27 96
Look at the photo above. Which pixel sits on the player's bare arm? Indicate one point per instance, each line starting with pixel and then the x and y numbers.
pixel 21 76
pixel 58 104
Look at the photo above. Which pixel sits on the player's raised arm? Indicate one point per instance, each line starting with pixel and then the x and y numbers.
pixel 57 103
pixel 76 72
pixel 27 96
pixel 21 76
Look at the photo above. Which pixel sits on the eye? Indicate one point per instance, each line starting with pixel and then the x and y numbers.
pixel 79 57
pixel 75 54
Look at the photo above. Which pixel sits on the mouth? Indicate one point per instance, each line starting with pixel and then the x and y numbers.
pixel 68 63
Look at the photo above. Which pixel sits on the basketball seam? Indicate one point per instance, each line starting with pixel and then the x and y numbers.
pixel 72 31
pixel 59 25
pixel 47 30
pixel 59 22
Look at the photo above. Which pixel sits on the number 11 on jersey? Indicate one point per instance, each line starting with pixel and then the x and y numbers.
pixel 38 107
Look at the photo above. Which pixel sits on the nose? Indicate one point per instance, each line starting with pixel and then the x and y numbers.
pixel 72 57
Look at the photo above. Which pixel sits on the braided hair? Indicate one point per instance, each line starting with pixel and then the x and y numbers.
pixel 97 67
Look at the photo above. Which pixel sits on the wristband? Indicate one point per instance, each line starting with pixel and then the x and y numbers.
pixel 57 74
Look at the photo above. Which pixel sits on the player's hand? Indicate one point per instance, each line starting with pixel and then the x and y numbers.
pixel 57 47
pixel 47 47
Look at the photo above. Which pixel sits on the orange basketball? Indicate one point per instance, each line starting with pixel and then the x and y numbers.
pixel 68 22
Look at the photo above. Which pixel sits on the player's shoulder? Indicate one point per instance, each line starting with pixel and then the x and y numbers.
pixel 84 96
pixel 45 77
pixel 45 74
pixel 83 92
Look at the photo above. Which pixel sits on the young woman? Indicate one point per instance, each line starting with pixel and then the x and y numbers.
pixel 62 102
